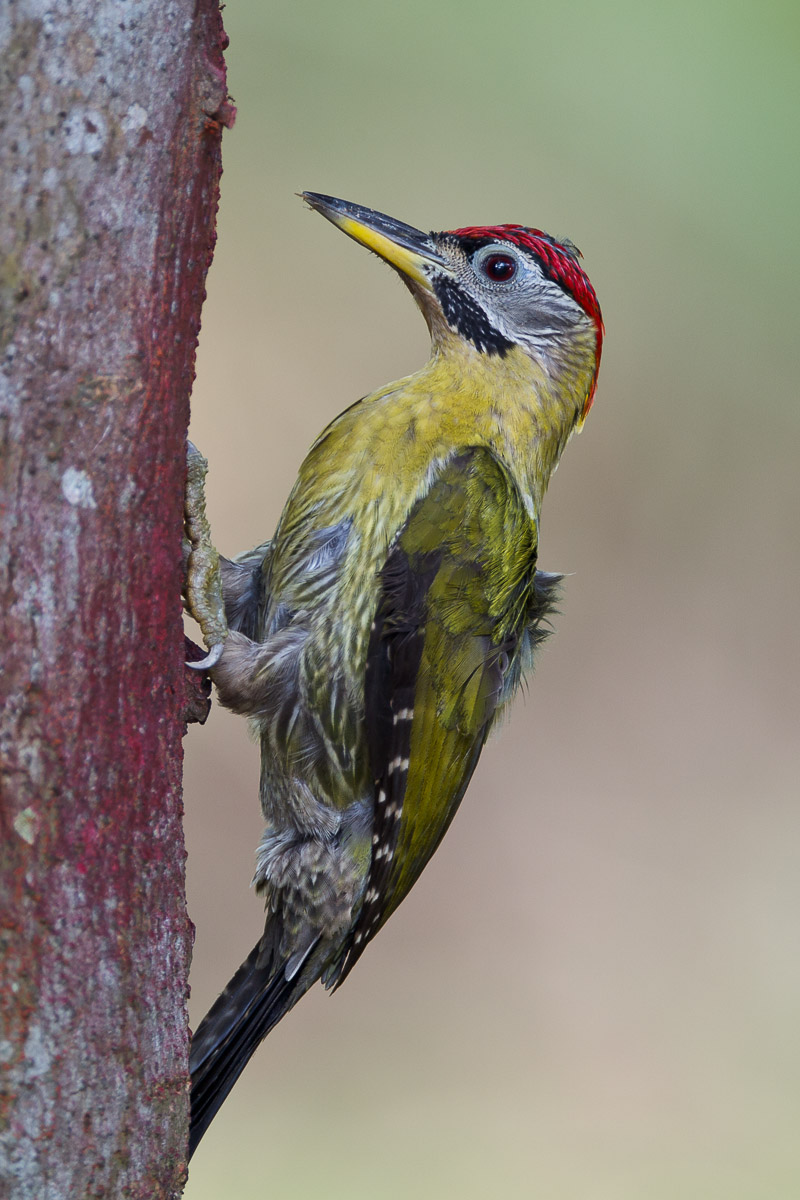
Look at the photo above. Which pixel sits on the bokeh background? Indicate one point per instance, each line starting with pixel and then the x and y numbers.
pixel 593 993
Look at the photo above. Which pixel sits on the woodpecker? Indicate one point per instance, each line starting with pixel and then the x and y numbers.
pixel 376 639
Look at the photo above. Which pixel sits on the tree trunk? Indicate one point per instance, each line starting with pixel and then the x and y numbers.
pixel 109 173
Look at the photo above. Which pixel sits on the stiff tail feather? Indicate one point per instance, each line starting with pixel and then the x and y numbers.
pixel 250 1006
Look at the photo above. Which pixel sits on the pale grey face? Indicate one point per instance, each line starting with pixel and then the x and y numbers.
pixel 499 285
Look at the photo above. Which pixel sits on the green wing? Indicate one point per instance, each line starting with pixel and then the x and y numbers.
pixel 458 589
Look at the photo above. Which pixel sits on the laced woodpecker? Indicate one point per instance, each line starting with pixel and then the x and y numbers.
pixel 376 638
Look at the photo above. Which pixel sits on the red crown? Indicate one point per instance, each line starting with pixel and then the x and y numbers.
pixel 558 260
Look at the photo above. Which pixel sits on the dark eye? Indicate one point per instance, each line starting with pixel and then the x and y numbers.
pixel 499 267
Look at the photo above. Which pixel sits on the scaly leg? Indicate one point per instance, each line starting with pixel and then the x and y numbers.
pixel 203 586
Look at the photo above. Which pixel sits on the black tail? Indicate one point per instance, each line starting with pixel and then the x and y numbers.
pixel 242 1016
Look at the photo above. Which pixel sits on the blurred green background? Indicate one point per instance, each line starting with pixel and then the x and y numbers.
pixel 594 991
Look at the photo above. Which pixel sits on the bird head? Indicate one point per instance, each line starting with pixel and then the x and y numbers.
pixel 491 287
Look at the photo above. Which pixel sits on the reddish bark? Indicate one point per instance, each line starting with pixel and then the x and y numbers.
pixel 109 173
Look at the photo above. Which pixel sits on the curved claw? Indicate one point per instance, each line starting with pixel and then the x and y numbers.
pixel 210 660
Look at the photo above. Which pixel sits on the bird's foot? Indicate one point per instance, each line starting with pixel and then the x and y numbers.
pixel 203 582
